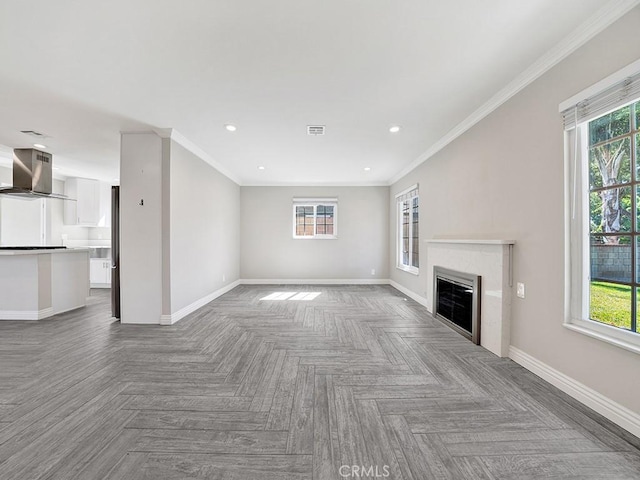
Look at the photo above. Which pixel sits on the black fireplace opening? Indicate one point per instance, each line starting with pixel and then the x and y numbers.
pixel 457 301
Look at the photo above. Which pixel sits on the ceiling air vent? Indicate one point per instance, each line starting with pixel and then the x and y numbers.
pixel 315 129
pixel 33 133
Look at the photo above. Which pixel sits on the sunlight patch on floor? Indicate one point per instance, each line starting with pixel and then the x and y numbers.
pixel 299 296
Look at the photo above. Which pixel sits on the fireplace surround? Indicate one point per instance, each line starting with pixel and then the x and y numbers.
pixel 491 259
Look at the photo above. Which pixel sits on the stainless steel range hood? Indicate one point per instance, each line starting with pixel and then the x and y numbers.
pixel 32 175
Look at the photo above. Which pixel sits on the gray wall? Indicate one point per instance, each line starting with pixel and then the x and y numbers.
pixel 504 179
pixel 268 250
pixel 205 228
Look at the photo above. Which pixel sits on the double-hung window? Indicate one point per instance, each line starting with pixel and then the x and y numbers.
pixel 602 172
pixel 315 218
pixel 408 241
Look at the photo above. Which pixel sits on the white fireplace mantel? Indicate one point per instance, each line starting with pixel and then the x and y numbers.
pixel 491 259
pixel 471 241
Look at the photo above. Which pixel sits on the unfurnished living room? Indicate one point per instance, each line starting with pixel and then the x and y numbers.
pixel 298 240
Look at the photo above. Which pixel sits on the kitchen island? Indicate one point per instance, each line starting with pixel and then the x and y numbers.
pixel 36 284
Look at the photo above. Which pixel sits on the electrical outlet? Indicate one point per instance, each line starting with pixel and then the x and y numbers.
pixel 520 289
pixel 373 271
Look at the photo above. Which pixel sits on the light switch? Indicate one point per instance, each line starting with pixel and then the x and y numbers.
pixel 520 289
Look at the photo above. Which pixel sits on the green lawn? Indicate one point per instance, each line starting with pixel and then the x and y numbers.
pixel 611 304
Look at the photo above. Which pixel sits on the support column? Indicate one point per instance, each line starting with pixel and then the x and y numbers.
pixel 143 217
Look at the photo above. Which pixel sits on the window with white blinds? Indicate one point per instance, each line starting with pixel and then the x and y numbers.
pixel 602 182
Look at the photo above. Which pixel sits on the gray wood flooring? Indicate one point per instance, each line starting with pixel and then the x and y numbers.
pixel 248 388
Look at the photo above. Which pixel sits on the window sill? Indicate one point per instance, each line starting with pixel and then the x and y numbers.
pixel 411 270
pixel 317 237
pixel 614 336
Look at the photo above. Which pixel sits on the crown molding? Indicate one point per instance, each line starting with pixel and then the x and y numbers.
pixel 604 17
pixel 183 141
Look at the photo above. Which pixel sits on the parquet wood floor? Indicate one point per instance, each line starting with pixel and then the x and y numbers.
pixel 355 382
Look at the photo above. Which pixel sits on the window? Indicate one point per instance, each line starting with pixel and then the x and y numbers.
pixel 408 232
pixel 315 218
pixel 603 227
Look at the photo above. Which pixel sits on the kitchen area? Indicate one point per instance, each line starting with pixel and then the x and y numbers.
pixel 55 238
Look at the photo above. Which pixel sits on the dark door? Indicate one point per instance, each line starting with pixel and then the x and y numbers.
pixel 115 252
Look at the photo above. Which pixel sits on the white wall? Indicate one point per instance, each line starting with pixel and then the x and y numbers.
pixel 504 179
pixel 205 229
pixel 268 250
pixel 176 247
pixel 141 276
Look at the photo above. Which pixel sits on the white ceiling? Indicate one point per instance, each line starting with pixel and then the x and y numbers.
pixel 83 71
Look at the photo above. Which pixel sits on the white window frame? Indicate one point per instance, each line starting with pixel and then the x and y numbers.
pixel 315 202
pixel 407 194
pixel 577 261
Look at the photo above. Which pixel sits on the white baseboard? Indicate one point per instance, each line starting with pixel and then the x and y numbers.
pixel 183 312
pixel 26 314
pixel 414 296
pixel 606 407
pixel 315 281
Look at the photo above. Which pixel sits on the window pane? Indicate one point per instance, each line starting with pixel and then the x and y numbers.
pixel 415 234
pixel 610 164
pixel 610 126
pixel 304 220
pixel 637 309
pixel 637 142
pixel 611 258
pixel 610 210
pixel 610 303
pixel 637 260
pixel 637 107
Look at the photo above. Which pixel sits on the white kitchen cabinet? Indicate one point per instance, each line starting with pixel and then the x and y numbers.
pixel 104 207
pixel 86 209
pixel 100 273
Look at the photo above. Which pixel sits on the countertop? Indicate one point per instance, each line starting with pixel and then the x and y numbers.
pixel 5 253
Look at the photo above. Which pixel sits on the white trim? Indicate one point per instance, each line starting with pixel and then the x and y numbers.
pixel 470 241
pixel 408 269
pixel 315 200
pixel 604 17
pixel 315 281
pixel 606 407
pixel 615 336
pixel 183 141
pixel 407 190
pixel 26 314
pixel 382 183
pixel 172 318
pixel 315 203
pixel 596 88
pixel 414 296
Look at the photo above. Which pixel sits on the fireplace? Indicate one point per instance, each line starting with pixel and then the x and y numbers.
pixel 456 299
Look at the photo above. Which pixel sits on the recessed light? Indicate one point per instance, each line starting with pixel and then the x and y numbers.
pixel 394 129
pixel 367 169
pixel 260 167
pixel 39 145
pixel 230 127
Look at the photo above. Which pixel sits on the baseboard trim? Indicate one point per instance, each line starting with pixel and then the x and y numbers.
pixel 414 296
pixel 606 407
pixel 26 314
pixel 315 281
pixel 192 307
